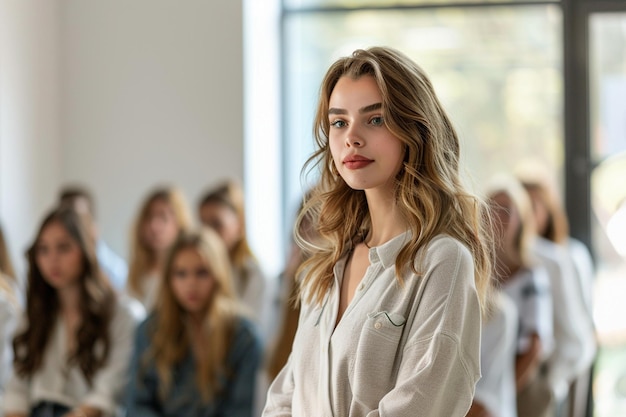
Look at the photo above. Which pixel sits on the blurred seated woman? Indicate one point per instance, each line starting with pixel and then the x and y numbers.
pixel 72 350
pixel 196 355
pixel 526 282
pixel 163 215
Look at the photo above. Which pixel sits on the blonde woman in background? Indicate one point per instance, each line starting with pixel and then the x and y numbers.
pixel 9 311
pixel 163 215
pixel 526 282
pixel 196 355
pixel 222 209
pixel 570 267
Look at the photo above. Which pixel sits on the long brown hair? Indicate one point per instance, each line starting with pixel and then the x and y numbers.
pixel 170 336
pixel 97 300
pixel 428 190
pixel 141 257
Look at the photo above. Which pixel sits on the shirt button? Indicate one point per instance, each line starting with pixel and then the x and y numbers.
pixel 361 287
pixel 378 325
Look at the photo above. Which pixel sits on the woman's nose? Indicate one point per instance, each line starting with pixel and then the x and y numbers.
pixel 353 139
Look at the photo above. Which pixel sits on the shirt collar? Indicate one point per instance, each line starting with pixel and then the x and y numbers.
pixel 388 251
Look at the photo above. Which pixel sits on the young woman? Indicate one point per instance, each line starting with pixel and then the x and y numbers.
pixel 72 350
pixel 163 215
pixel 9 308
pixel 196 355
pixel 222 209
pixel 526 282
pixel 392 295
pixel 570 269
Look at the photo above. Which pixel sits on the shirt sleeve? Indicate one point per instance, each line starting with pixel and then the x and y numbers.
pixel 141 393
pixel 244 360
pixel 573 328
pixel 17 391
pixel 110 381
pixel 8 319
pixel 280 393
pixel 440 363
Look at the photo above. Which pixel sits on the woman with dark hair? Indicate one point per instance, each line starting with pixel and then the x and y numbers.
pixel 72 350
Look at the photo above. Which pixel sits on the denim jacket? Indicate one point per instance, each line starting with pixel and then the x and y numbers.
pixel 184 399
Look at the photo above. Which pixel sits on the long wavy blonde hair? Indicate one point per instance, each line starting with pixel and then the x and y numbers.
pixel 142 258
pixel 171 334
pixel 428 189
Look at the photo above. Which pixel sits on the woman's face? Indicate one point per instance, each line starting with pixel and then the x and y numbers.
pixel 160 228
pixel 191 281
pixel 58 256
pixel 540 211
pixel 224 221
pixel 508 220
pixel 366 154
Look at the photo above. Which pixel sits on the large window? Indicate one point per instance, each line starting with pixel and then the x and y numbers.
pixel 496 69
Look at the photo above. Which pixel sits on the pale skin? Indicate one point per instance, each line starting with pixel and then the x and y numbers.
pixel 358 129
pixel 59 258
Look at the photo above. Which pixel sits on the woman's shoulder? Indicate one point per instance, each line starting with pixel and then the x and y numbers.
pixel 445 248
pixel 245 328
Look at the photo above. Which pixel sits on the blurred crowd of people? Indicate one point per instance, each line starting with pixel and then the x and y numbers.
pixel 192 326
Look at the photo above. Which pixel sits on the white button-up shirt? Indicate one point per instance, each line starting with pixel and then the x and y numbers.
pixel 55 382
pixel 410 350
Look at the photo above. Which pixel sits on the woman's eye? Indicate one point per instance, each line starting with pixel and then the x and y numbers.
pixel 338 123
pixel 202 273
pixel 377 121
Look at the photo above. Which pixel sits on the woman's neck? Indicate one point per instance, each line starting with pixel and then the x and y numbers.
pixel 387 221
pixel 69 298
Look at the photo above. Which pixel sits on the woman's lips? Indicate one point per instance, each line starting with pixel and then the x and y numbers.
pixel 356 162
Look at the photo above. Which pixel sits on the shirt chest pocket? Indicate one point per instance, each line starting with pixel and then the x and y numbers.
pixel 375 365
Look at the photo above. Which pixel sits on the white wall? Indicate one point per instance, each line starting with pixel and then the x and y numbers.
pixel 118 95
pixel 29 118
pixel 152 93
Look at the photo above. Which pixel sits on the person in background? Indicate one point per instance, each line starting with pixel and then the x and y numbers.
pixel 495 394
pixel 393 293
pixel 163 215
pixel 9 311
pixel 111 264
pixel 222 209
pixel 526 282
pixel 72 348
pixel 197 354
pixel 289 308
pixel 571 268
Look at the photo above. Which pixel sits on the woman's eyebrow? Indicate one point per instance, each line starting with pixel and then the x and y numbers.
pixel 365 109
